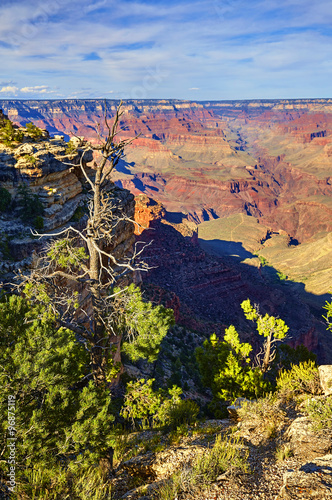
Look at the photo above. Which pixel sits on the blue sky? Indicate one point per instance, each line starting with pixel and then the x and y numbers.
pixel 197 50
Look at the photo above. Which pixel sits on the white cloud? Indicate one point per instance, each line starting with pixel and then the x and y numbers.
pixel 229 48
pixel 39 89
pixel 95 6
pixel 9 90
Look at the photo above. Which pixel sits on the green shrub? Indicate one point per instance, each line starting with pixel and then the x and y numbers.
pixel 328 317
pixel 30 205
pixel 141 402
pixel 282 276
pixel 263 260
pixel 143 325
pixel 5 199
pixel 185 412
pixel 283 452
pixel 168 405
pixel 225 367
pixel 70 148
pixel 30 159
pixel 10 135
pixel 78 214
pixel 226 454
pixel 5 247
pixel 177 434
pixel 33 131
pixel 44 366
pixel 169 489
pixel 265 414
pixel 38 222
pixel 302 378
pixel 58 484
pixel 287 356
pixel 320 412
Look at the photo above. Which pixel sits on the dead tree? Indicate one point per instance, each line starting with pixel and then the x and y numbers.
pixel 76 275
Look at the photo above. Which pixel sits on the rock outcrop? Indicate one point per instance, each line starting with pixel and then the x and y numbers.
pixel 50 168
pixel 146 211
pixel 312 481
pixel 325 375
pixel 305 441
pixel 44 166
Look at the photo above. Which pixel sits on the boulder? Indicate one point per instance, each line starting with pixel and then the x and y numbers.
pixel 325 375
pixel 25 149
pixel 164 463
pixel 312 481
pixel 307 442
pixel 141 465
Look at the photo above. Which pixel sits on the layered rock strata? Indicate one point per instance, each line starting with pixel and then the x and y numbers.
pixel 267 158
pixel 51 170
pixel 211 289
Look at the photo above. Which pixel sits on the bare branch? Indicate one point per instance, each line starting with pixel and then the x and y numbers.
pixel 81 291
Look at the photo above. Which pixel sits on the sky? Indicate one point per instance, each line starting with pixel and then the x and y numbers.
pixel 144 49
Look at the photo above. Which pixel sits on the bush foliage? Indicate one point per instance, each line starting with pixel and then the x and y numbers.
pixel 30 206
pixel 266 414
pixel 226 368
pixel 320 412
pixel 144 406
pixel 5 199
pixel 10 135
pixel 62 418
pixel 302 378
pixel 227 454
pixel 143 325
pixel 328 317
pixel 33 131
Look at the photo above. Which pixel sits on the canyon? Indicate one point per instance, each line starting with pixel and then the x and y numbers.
pixel 268 159
pixel 235 195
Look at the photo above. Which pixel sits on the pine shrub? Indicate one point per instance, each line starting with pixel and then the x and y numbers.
pixel 5 199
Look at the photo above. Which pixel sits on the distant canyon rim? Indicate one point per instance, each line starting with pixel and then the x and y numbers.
pixel 248 182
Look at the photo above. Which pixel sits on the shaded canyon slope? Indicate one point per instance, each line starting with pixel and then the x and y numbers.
pixel 254 176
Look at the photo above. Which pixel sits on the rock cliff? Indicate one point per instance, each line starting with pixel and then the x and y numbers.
pixel 210 289
pixel 267 158
pixel 50 168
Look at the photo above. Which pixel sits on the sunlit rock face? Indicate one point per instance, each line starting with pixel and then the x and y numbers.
pixel 203 163
pixel 270 159
pixel 51 170
pixel 44 166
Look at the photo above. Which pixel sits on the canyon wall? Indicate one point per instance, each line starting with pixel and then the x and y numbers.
pixel 200 162
pixel 50 170
pixel 268 158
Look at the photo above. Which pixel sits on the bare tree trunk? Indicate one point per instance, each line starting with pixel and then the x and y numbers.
pixel 98 270
pixel 266 360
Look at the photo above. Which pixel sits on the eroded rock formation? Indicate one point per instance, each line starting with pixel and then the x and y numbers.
pixel 50 168
pixel 271 159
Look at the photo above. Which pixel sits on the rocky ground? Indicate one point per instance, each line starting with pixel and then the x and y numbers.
pixel 301 471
